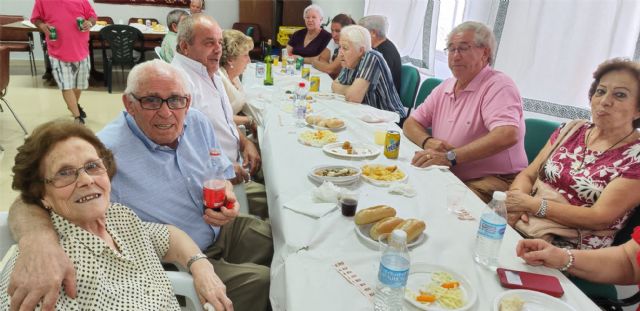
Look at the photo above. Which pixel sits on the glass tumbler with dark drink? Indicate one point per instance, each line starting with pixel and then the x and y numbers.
pixel 348 202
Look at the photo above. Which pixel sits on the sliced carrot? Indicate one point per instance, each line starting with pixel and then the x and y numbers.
pixel 450 285
pixel 426 298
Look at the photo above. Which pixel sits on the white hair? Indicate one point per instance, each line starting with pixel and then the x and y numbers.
pixel 314 7
pixel 376 23
pixel 483 36
pixel 149 69
pixel 357 35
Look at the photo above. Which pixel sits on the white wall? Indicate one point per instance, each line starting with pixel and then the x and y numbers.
pixel 331 8
pixel 224 11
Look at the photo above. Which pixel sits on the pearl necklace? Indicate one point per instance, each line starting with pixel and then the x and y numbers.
pixel 592 158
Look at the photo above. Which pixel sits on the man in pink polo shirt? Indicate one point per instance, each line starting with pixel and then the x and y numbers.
pixel 69 52
pixel 476 119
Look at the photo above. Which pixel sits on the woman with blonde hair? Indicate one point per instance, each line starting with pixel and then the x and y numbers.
pixel 233 62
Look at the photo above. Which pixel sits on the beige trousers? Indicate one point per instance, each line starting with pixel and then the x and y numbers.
pixel 485 186
pixel 241 257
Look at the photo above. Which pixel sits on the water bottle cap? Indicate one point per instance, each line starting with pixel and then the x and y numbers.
pixel 301 84
pixel 499 195
pixel 398 235
pixel 214 152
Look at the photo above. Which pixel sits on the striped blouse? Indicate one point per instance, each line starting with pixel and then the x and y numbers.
pixel 382 93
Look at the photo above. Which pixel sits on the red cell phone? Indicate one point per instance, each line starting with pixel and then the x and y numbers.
pixel 547 284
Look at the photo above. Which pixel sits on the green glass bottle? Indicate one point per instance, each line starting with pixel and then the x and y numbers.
pixel 268 61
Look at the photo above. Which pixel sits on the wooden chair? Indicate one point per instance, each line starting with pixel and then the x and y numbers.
pixel 16 40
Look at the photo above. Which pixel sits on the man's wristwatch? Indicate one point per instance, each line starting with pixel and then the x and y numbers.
pixel 451 156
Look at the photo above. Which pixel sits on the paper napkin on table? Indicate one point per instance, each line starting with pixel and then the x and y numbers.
pixel 372 115
pixel 316 203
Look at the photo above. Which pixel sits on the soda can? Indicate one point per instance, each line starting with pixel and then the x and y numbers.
pixel 79 21
pixel 305 72
pixel 260 70
pixel 299 62
pixel 315 84
pixel 392 145
pixel 53 34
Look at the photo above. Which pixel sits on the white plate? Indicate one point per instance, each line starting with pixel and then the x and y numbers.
pixel 315 143
pixel 363 232
pixel 342 180
pixel 420 276
pixel 383 183
pixel 335 129
pixel 534 301
pixel 361 150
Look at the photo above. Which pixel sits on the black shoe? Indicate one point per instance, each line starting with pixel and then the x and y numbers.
pixel 79 120
pixel 82 113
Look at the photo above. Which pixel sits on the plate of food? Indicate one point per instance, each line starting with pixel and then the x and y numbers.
pixel 438 288
pixel 528 300
pixel 322 123
pixel 317 138
pixel 365 232
pixel 383 175
pixel 348 149
pixel 337 174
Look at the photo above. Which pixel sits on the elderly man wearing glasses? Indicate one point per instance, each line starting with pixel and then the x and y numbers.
pixel 476 118
pixel 162 156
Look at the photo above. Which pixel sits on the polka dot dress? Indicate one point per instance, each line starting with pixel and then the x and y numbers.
pixel 129 279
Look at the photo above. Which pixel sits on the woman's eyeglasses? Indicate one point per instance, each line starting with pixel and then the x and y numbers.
pixel 68 176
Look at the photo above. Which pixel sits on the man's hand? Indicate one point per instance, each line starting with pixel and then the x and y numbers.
pixel 438 145
pixel 209 286
pixel 86 25
pixel 44 27
pixel 251 157
pixel 225 215
pixel 242 175
pixel 40 269
pixel 429 157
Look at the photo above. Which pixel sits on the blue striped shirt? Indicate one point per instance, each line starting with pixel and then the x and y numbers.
pixel 382 93
pixel 161 184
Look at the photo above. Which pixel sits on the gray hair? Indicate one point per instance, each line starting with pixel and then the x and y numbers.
pixel 174 17
pixel 357 35
pixel 149 69
pixel 314 7
pixel 186 28
pixel 483 36
pixel 376 23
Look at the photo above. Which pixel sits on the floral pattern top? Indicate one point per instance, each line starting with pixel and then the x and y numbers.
pixel 581 174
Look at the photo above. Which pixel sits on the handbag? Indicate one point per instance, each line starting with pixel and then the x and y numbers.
pixel 546 229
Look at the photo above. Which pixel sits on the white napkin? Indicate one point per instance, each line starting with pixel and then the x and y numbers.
pixel 403 189
pixel 317 202
pixel 28 23
pixel 432 167
pixel 373 115
pixel 307 205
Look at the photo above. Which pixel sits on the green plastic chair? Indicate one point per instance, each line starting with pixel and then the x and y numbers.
pixel 425 89
pixel 409 86
pixel 538 132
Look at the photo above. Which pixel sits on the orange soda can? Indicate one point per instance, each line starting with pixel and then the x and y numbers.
pixel 392 145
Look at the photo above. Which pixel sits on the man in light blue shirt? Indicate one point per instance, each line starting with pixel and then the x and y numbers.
pixel 161 149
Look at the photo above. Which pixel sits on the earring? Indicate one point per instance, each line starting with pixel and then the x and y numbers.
pixel 230 65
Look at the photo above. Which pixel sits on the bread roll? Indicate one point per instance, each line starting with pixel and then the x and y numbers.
pixel 413 228
pixel 373 214
pixel 384 226
pixel 311 119
pixel 334 123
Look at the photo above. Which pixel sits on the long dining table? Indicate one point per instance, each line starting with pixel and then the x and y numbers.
pixel 304 275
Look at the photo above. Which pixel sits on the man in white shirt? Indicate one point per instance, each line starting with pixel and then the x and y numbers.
pixel 198 54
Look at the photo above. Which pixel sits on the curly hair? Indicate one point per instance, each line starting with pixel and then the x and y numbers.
pixel 234 44
pixel 28 168
pixel 618 64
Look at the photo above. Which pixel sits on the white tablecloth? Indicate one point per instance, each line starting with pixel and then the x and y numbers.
pixel 302 274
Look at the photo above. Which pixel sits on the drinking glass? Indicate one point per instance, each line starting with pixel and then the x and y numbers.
pixel 348 202
pixel 455 196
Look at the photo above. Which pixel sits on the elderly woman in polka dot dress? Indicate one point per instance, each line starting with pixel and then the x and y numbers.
pixel 64 168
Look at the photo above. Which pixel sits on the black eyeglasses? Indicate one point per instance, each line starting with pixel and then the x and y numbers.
pixel 461 49
pixel 155 102
pixel 68 176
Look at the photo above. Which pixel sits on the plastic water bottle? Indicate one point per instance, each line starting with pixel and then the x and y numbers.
pixel 300 104
pixel 393 273
pixel 493 222
pixel 213 189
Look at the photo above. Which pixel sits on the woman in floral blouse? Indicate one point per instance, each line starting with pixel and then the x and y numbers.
pixel 596 168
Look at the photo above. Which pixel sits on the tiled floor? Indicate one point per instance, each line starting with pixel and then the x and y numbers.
pixel 35 103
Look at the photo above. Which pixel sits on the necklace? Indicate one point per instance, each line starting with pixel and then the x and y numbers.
pixel 576 168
